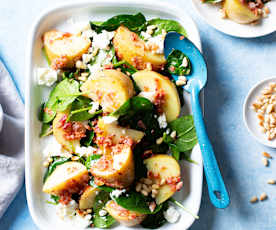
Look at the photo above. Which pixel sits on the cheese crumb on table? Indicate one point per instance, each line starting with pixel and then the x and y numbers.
pixel 171 215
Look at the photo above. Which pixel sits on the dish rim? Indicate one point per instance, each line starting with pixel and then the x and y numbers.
pixel 246 108
pixel 216 27
pixel 161 6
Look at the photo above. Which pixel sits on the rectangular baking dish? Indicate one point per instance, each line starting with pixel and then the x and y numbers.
pixel 66 17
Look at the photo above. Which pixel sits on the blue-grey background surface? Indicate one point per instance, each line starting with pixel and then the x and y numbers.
pixel 235 65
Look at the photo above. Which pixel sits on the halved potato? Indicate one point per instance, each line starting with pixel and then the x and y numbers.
pixel 111 88
pixel 59 134
pixel 69 177
pixel 64 49
pixel 88 197
pixel 239 12
pixel 150 81
pixel 167 168
pixel 131 48
pixel 122 215
pixel 114 130
pixel 115 168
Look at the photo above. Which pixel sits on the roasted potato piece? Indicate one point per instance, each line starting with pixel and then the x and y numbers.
pixel 64 49
pixel 112 129
pixel 115 168
pixel 239 12
pixel 168 101
pixel 167 169
pixel 88 197
pixel 59 133
pixel 69 177
pixel 111 88
pixel 131 48
pixel 122 215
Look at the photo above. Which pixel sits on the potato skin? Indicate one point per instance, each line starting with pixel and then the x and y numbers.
pixel 124 216
pixel 59 134
pixel 115 169
pixel 239 12
pixel 131 48
pixel 150 81
pixel 88 197
pixel 64 49
pixel 117 132
pixel 111 88
pixel 68 178
pixel 167 168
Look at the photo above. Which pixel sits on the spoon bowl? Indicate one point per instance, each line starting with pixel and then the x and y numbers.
pixel 197 79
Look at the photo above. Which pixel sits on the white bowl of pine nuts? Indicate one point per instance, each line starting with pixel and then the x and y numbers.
pixel 259 112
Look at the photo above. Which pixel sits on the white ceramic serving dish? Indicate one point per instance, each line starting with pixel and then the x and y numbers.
pixel 1 117
pixel 62 17
pixel 250 116
pixel 211 15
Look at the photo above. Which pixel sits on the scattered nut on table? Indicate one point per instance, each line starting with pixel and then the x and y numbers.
pixel 254 199
pixel 271 181
pixel 267 155
pixel 263 197
pixel 265 161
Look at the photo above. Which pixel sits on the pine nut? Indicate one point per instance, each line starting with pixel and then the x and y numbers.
pixel 145 193
pixel 265 161
pixel 254 199
pixel 271 181
pixel 267 155
pixel 159 141
pixel 263 197
pixel 138 187
pixel 148 181
pixel 155 186
pixel 173 134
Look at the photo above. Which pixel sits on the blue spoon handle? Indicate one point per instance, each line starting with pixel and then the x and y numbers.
pixel 217 191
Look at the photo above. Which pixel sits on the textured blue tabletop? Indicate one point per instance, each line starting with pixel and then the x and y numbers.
pixel 235 65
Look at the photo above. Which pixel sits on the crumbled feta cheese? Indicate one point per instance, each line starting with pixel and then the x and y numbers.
pixel 46 76
pixel 184 62
pixel 109 119
pixel 149 95
pixel 116 193
pixel 157 42
pixel 82 222
pixel 85 151
pixel 87 58
pixel 162 121
pixel 171 215
pixel 88 33
pixel 145 35
pixel 53 148
pixel 95 107
pixel 102 40
pixel 102 212
pixel 67 211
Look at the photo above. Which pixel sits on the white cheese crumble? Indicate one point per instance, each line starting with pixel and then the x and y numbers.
pixel 67 211
pixel 109 119
pixel 184 62
pixel 102 40
pixel 157 41
pixel 102 212
pixel 82 222
pixel 53 148
pixel 171 215
pixel 87 58
pixel 116 193
pixel 95 107
pixel 162 121
pixel 149 95
pixel 46 76
pixel 85 151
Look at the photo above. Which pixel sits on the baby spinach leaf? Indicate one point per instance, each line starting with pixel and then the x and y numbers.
pixel 132 22
pixel 101 221
pixel 91 159
pixel 80 108
pixel 132 201
pixel 167 25
pixel 56 162
pixel 62 95
pixel 87 140
pixel 178 63
pixel 155 220
pixel 212 1
pixel 186 133
pixel 55 200
pixel 133 106
pixel 46 130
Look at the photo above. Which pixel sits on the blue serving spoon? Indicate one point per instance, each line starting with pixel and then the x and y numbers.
pixel 196 81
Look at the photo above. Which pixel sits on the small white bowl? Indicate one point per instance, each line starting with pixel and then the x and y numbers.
pixel 250 116
pixel 1 117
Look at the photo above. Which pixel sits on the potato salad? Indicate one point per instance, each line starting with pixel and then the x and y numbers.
pixel 112 123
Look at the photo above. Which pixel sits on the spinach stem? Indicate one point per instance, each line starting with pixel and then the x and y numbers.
pixel 183 207
pixel 46 56
pixel 81 110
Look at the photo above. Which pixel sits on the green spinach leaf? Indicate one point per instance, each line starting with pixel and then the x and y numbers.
pixel 101 221
pixel 62 95
pixel 167 25
pixel 178 63
pixel 132 22
pixel 80 108
pixel 87 140
pixel 46 130
pixel 56 162
pixel 91 159
pixel 212 1
pixel 156 220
